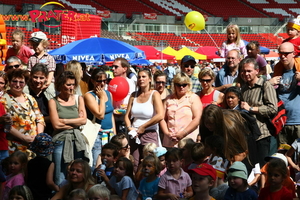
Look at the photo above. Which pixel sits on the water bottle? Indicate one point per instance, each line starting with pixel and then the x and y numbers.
pixel 103 167
pixel 7 125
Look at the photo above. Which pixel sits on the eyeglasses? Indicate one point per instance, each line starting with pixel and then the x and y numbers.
pixel 160 82
pixel 205 80
pixel 181 85
pixel 14 66
pixel 285 53
pixel 187 66
pixel 114 66
pixel 101 81
pixel 126 146
pixel 20 82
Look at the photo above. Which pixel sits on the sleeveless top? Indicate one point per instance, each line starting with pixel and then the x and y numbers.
pixel 143 112
pixel 66 112
pixel 106 122
pixel 208 99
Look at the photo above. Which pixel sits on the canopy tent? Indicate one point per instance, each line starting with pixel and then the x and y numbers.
pixel 187 52
pixel 153 54
pixel 96 51
pixel 183 52
pixel 209 51
pixel 272 56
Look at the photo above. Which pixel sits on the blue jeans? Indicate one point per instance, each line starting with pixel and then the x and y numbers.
pixel 3 154
pixel 96 150
pixel 60 170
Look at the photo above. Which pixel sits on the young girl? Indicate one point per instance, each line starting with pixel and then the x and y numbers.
pixel 276 172
pixel 20 192
pixel 149 185
pixel 121 183
pixel 160 153
pixel 234 41
pixel 175 183
pixel 238 185
pixel 253 51
pixel 17 165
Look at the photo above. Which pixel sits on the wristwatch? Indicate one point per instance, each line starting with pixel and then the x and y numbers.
pixel 251 109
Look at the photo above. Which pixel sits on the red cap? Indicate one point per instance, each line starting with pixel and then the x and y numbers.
pixel 205 169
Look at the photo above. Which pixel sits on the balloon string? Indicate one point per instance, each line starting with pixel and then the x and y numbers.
pixel 211 38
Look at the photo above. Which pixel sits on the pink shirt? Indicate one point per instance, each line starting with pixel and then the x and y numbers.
pixel 11 182
pixel 24 54
pixel 179 112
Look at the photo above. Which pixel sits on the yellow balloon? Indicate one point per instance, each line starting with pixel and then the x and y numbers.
pixel 194 21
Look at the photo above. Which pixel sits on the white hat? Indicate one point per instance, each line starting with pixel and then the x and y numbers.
pixel 38 37
pixel 277 155
pixel 294 23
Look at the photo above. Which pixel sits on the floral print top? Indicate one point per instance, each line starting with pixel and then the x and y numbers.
pixel 25 117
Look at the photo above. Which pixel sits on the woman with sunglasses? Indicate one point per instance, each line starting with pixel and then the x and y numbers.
pixel 208 94
pixel 98 103
pixel 67 113
pixel 183 110
pixel 160 79
pixel 146 110
pixel 27 120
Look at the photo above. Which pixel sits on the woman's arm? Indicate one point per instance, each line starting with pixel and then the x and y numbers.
pixel 288 155
pixel 40 127
pixel 158 107
pixel 98 110
pixel 49 178
pixel 220 98
pixel 127 116
pixel 81 120
pixel 196 109
pixel 24 138
pixel 163 123
pixel 54 118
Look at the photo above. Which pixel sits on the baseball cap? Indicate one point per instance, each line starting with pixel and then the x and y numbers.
pixel 294 23
pixel 205 169
pixel 284 147
pixel 238 169
pixel 277 155
pixel 160 151
pixel 37 37
pixel 187 58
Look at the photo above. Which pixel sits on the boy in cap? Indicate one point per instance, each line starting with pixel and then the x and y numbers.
pixel 40 43
pixel 41 168
pixel 238 185
pixel 203 179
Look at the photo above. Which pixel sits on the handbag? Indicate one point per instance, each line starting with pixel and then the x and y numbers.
pixel 90 132
pixel 276 122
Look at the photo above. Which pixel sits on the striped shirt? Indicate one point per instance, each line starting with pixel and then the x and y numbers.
pixel 263 96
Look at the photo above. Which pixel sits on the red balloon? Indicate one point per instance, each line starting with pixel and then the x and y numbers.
pixel 119 88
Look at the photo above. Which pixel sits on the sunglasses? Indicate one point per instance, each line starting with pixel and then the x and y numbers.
pixel 205 80
pixel 181 85
pixel 285 53
pixel 187 66
pixel 101 81
pixel 160 82
pixel 14 66
pixel 115 66
pixel 126 146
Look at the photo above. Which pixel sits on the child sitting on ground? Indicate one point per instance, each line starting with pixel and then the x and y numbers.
pixel 160 154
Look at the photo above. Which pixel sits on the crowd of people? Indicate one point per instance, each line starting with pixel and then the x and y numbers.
pixel 188 131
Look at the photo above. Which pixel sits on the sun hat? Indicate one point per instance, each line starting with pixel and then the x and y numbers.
pixel 238 169
pixel 160 151
pixel 42 145
pixel 294 23
pixel 205 169
pixel 37 37
pixel 277 155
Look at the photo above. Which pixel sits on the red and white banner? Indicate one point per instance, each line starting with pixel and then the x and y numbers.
pixel 103 13
pixel 152 16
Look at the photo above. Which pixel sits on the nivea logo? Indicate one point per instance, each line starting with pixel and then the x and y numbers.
pixel 84 58
pixel 114 56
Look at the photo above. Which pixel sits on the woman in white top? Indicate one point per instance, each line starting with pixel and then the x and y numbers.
pixel 144 110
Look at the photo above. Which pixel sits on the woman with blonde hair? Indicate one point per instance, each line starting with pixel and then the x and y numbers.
pixel 208 94
pixel 183 110
pixel 75 67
